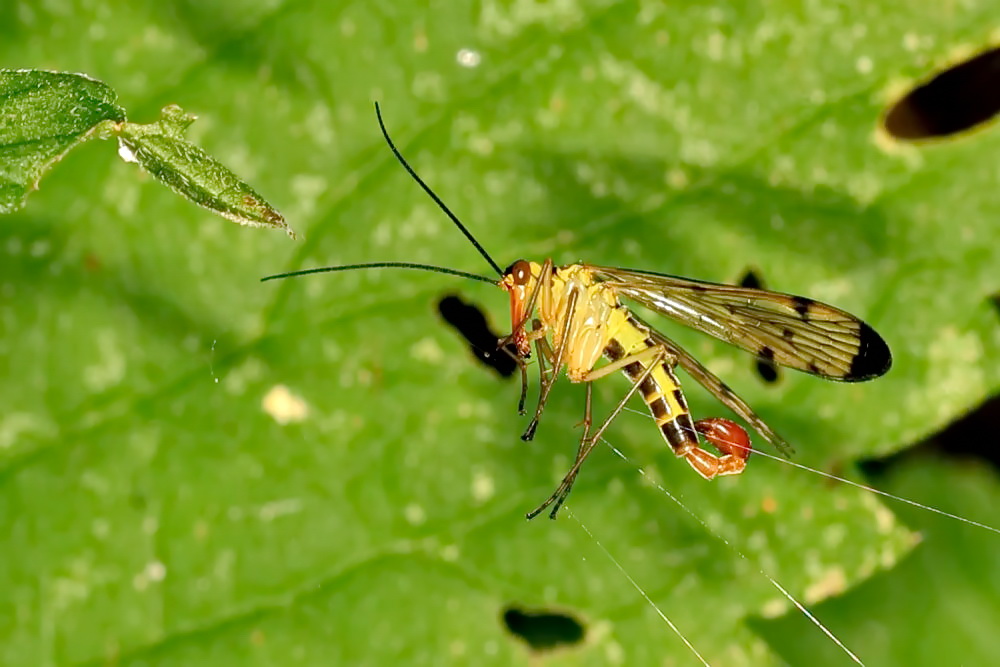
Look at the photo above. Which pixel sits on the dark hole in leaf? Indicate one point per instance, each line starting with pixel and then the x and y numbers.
pixel 766 369
pixel 543 630
pixel 974 435
pixel 470 322
pixel 954 100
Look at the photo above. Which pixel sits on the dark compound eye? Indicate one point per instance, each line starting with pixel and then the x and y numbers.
pixel 520 271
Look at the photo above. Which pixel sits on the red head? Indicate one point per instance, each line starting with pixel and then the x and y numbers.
pixel 519 281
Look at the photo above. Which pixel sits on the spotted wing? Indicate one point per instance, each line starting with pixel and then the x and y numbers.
pixel 793 331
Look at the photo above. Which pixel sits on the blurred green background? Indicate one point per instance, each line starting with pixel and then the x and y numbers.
pixel 199 469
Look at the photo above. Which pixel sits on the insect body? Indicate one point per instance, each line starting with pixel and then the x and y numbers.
pixel 579 309
pixel 579 306
pixel 587 321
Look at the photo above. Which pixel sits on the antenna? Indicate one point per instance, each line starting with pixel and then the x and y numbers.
pixel 430 193
pixel 381 265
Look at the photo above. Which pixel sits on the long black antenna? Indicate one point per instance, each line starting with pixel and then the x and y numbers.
pixel 382 265
pixel 430 193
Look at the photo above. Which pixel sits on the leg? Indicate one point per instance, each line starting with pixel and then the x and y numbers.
pixel 522 365
pixel 652 357
pixel 543 352
pixel 557 362
pixel 730 439
pixel 588 420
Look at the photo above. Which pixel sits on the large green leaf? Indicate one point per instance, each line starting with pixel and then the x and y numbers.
pixel 941 600
pixel 196 468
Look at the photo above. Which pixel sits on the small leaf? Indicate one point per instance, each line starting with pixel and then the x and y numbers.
pixel 160 149
pixel 42 115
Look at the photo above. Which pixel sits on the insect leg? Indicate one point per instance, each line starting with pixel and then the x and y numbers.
pixel 582 450
pixel 587 417
pixel 557 362
pixel 650 358
pixel 545 355
pixel 522 365
pixel 524 387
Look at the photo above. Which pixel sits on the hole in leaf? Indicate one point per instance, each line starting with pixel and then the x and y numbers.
pixel 972 436
pixel 468 320
pixel 543 630
pixel 957 99
pixel 766 368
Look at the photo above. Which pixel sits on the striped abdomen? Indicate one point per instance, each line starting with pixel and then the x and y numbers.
pixel 660 390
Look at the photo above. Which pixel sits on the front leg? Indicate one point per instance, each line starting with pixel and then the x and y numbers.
pixel 557 363
pixel 538 335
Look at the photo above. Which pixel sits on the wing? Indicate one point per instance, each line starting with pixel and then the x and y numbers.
pixel 793 331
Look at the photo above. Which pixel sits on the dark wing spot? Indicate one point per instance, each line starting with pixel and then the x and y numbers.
pixel 802 306
pixel 787 333
pixel 873 358
pixel 765 365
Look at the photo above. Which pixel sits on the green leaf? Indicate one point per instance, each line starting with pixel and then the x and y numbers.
pixel 43 115
pixel 197 468
pixel 950 583
pixel 160 149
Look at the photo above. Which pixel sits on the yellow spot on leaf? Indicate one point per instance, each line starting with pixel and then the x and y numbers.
pixel 284 406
